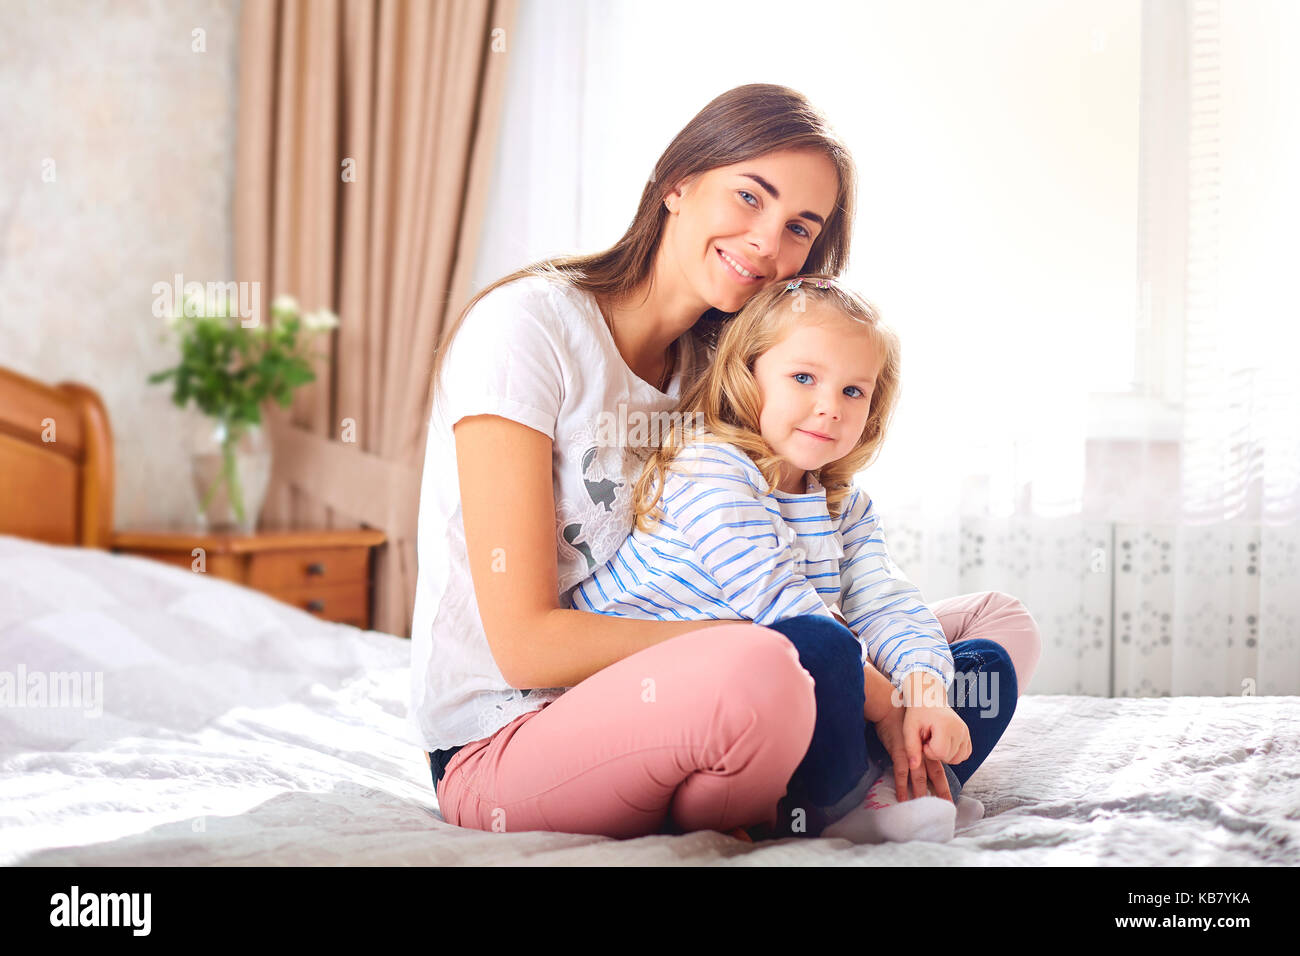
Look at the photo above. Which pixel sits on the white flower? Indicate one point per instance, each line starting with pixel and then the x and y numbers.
pixel 284 306
pixel 322 320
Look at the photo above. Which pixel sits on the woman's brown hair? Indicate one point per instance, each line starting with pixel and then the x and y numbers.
pixel 743 123
pixel 725 399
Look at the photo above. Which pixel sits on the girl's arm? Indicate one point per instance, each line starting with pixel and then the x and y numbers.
pixel 508 504
pixel 899 632
pixel 877 687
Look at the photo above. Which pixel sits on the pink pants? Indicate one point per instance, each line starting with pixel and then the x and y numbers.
pixel 705 729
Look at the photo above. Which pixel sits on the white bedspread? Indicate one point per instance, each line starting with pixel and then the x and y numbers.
pixel 236 730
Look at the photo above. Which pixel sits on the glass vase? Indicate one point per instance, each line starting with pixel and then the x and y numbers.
pixel 231 468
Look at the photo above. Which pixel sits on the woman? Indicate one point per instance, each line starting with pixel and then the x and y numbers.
pixel 665 724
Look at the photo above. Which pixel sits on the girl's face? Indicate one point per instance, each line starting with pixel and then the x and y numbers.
pixel 760 215
pixel 816 385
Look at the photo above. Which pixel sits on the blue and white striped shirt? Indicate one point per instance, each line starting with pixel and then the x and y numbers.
pixel 731 549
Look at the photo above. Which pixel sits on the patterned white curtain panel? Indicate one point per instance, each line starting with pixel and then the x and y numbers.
pixel 1129 609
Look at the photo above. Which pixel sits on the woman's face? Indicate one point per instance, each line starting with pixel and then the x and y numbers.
pixel 816 385
pixel 761 215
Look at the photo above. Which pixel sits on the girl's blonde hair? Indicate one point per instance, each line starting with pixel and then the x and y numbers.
pixel 725 399
pixel 743 123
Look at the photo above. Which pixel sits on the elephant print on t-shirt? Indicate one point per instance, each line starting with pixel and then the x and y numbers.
pixel 601 491
pixel 571 533
pixel 591 525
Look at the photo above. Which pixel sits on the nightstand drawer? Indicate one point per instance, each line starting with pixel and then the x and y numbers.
pixel 227 566
pixel 324 571
pixel 315 568
pixel 347 604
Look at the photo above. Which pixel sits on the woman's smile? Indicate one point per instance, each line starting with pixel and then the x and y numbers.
pixel 733 267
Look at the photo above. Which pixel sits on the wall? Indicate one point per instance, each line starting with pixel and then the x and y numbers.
pixel 140 129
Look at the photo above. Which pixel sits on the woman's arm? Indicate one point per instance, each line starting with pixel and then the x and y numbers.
pixel 508 504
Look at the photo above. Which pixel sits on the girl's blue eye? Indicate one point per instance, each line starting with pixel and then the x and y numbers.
pixel 796 375
pixel 802 233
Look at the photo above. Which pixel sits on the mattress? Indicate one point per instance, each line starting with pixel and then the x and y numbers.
pixel 156 716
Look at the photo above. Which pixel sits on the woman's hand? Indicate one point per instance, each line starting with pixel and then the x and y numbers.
pixel 892 736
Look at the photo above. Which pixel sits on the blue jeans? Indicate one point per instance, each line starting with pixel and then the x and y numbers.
pixel 845 755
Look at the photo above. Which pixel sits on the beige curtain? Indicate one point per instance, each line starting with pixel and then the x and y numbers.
pixel 366 135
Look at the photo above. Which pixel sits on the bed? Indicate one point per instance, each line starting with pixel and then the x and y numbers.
pixel 156 716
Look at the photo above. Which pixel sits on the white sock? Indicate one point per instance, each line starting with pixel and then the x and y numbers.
pixel 884 818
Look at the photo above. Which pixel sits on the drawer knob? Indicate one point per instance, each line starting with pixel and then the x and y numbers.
pixel 316 568
pixel 316 605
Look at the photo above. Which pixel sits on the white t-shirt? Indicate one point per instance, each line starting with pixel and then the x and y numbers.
pixel 536 351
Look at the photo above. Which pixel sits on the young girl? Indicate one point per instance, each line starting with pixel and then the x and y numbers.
pixel 747 511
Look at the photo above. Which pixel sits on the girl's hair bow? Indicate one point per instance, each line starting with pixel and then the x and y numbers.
pixel 819 283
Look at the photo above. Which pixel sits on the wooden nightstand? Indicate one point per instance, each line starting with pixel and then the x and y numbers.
pixel 325 572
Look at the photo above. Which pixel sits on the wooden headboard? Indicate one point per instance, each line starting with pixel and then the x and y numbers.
pixel 56 463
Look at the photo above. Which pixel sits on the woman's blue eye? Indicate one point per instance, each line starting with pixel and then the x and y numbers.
pixel 797 374
pixel 802 233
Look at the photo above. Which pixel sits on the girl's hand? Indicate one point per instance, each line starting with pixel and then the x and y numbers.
pixel 890 731
pixel 935 732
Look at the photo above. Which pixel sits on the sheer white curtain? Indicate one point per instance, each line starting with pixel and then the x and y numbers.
pixel 1078 217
